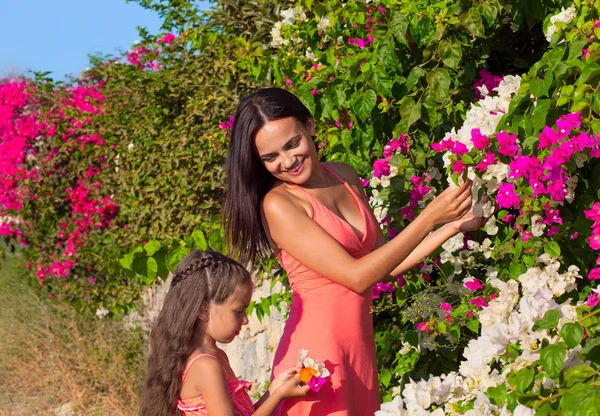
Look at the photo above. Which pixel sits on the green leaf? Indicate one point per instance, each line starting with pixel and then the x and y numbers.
pixel 497 395
pixel 387 53
pixel 175 256
pixel 145 267
pixel 553 358
pixel 439 83
pixel 399 26
pixel 450 52
pixel 308 100
pixel 381 82
pixel 409 111
pixel 413 77
pixel 549 321
pixel 517 269
pixel 572 334
pixel 589 71
pixel 590 346
pixel 199 240
pixel 126 261
pixel 578 374
pixel 552 248
pixel 539 115
pixel 472 22
pixel 363 102
pixel 473 325
pixel 581 400
pixel 151 247
pixel 523 379
pixel 540 87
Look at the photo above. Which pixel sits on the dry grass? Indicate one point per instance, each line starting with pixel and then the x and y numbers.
pixel 50 355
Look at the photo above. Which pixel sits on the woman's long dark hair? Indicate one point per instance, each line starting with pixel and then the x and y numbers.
pixel 248 180
pixel 202 276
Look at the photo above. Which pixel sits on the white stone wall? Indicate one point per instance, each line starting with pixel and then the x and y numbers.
pixel 251 353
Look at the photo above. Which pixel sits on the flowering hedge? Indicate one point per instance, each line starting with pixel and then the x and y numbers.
pixel 415 95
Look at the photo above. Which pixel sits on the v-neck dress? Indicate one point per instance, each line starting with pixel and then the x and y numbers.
pixel 333 323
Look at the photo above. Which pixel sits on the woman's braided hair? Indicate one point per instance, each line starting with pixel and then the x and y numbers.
pixel 202 276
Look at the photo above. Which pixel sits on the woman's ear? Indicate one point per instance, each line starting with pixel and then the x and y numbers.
pixel 204 312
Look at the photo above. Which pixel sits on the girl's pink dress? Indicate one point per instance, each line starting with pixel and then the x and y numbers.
pixel 238 390
pixel 333 323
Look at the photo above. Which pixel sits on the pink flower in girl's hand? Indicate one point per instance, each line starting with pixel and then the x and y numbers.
pixel 316 383
pixel 313 373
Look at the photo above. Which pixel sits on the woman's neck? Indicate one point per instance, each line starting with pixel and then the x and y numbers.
pixel 318 178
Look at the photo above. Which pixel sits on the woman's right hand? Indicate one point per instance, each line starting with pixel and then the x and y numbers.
pixel 453 203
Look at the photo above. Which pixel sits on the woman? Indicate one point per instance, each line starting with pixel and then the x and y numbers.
pixel 315 217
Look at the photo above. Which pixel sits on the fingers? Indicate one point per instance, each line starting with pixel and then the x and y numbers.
pixel 464 206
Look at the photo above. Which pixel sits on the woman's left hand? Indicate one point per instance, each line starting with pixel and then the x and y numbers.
pixel 468 222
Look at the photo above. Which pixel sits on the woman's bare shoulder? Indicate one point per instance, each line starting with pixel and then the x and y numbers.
pixel 345 171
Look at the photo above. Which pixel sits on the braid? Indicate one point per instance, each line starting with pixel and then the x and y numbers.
pixel 211 260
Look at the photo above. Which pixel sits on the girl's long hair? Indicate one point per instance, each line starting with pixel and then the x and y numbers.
pixel 202 276
pixel 248 181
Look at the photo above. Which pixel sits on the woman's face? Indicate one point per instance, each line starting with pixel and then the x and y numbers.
pixel 286 149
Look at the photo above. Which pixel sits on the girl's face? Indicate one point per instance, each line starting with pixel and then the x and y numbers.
pixel 286 149
pixel 225 320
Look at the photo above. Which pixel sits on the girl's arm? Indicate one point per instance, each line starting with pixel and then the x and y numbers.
pixel 207 378
pixel 292 230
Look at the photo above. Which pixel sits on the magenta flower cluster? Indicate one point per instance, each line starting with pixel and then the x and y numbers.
pixel 487 79
pixel 31 139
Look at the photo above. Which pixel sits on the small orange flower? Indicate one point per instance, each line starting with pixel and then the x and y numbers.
pixel 307 373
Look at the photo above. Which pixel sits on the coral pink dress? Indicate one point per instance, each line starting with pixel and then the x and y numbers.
pixel 333 323
pixel 238 390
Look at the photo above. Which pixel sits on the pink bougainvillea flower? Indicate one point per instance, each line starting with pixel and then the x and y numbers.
pixel 460 149
pixel 507 197
pixel 443 146
pixel 592 300
pixel 360 43
pixel 480 141
pixel 423 326
pixel 593 214
pixel 470 314
pixel 401 143
pixel 548 137
pixel 446 306
pixel 594 241
pixel 381 168
pixel 316 383
pixel 479 302
pixel 458 167
pixel 401 281
pixel 594 274
pixel 473 284
pixel 507 144
pixel 488 160
pixel 568 122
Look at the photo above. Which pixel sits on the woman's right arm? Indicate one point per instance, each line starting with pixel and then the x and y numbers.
pixel 293 231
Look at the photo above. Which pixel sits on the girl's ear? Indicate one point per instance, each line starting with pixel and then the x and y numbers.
pixel 204 309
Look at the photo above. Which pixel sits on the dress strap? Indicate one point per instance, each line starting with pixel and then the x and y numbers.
pixel 334 174
pixel 192 361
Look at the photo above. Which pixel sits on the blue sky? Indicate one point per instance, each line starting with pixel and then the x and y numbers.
pixel 58 35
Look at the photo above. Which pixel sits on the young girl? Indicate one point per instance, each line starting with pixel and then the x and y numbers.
pixel 187 373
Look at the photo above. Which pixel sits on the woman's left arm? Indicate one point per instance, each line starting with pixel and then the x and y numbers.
pixel 430 243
